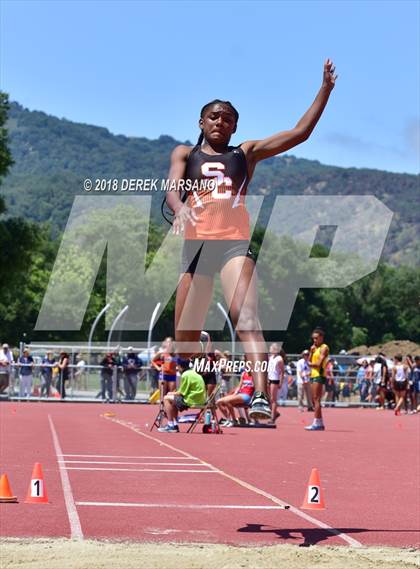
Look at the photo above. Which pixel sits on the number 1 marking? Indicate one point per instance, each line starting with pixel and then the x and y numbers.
pixel 36 490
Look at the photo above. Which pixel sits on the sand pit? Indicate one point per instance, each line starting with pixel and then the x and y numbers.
pixel 66 554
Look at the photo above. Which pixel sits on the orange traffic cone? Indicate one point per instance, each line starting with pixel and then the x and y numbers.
pixel 37 493
pixel 6 494
pixel 314 495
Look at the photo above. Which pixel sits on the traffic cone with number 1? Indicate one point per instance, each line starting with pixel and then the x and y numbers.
pixel 37 493
pixel 314 495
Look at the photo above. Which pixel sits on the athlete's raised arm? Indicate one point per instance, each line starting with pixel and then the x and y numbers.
pixel 256 150
pixel 182 212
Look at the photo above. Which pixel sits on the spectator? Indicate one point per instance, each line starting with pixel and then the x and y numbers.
pixel 416 381
pixel 132 365
pixel 165 361
pixel 399 382
pixel 303 383
pixel 108 365
pixel 63 374
pixel 119 374
pixel 80 376
pixel 6 360
pixel 47 365
pixel 191 392
pixel 225 374
pixel 330 385
pixel 380 379
pixel 26 365
pixel 412 395
pixel 154 373
pixel 288 379
pixel 369 377
pixel 276 378
pixel 208 359
pixel 362 381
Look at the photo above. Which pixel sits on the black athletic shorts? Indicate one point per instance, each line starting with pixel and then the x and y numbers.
pixel 209 257
pixel 180 403
pixel 209 378
pixel 400 385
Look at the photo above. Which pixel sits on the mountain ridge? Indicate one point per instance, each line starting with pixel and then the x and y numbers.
pixel 53 155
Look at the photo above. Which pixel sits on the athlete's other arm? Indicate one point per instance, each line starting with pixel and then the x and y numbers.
pixel 155 361
pixel 257 150
pixel 183 213
pixel 280 370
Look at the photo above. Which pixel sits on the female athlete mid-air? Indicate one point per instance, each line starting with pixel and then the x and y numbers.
pixel 215 225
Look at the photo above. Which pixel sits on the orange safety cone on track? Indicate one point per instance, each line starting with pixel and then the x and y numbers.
pixel 314 495
pixel 6 494
pixel 37 493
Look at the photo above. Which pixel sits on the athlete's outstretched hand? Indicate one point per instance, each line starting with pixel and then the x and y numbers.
pixel 185 215
pixel 329 74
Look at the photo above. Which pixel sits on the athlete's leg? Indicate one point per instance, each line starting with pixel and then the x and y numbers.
pixel 274 390
pixel 239 282
pixel 193 297
pixel 400 398
pixel 317 390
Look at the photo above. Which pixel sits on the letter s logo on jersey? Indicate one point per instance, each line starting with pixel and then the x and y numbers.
pixel 214 170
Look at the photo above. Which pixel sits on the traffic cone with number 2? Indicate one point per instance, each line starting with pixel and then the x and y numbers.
pixel 314 496
pixel 37 493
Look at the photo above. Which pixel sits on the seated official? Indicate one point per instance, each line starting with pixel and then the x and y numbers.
pixel 191 393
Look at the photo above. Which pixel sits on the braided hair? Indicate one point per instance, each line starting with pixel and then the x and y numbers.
pixel 167 213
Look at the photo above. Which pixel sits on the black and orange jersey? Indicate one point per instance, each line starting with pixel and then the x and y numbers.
pixel 220 209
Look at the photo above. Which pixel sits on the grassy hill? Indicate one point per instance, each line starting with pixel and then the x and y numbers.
pixel 52 157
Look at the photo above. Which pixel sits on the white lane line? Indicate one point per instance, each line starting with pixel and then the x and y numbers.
pixel 75 527
pixel 350 540
pixel 144 463
pixel 114 456
pixel 138 469
pixel 179 506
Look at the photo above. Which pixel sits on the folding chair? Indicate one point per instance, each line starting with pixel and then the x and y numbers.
pixel 210 405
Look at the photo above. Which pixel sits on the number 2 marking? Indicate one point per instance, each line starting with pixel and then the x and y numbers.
pixel 314 497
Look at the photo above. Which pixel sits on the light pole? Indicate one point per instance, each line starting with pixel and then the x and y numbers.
pixel 115 372
pixel 149 335
pixel 232 331
pixel 92 330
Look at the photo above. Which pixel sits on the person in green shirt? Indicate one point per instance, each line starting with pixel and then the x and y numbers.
pixel 191 392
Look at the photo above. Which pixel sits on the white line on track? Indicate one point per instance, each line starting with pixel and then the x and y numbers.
pixel 114 456
pixel 180 506
pixel 74 521
pixel 138 469
pixel 143 463
pixel 296 511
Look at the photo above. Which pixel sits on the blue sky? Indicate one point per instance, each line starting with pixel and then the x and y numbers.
pixel 146 69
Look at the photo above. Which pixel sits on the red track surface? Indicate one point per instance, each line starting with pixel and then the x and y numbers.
pixel 368 463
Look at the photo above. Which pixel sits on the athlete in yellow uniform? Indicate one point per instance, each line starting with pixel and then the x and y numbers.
pixel 318 360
